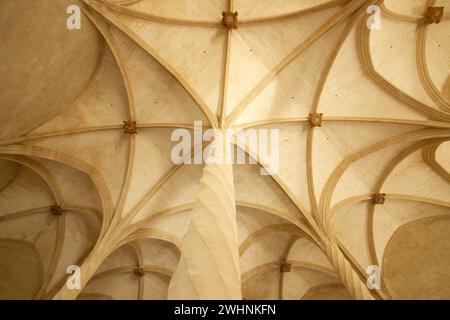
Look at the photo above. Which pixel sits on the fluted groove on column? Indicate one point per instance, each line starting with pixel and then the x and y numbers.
pixel 209 263
pixel 357 288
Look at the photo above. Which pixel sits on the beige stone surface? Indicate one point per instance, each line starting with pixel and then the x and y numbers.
pixel 143 227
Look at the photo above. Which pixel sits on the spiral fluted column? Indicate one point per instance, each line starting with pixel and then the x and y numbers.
pixel 209 263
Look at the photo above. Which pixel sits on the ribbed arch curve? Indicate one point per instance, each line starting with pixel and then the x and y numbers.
pixel 398 204
pixel 400 265
pixel 374 126
pixel 70 161
pixel 406 97
pixel 302 257
pixel 51 236
pixel 69 75
pixel 142 269
pixel 344 165
pixel 436 161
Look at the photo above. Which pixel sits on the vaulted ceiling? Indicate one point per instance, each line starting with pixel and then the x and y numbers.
pixel 74 186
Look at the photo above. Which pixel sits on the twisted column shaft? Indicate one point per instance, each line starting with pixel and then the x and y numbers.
pixel 209 263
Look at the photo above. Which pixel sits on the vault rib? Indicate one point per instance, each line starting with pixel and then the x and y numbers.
pixel 43 135
pixel 274 228
pixel 249 274
pixel 350 8
pixel 121 63
pixel 406 18
pixel 138 40
pixel 429 156
pixel 377 188
pixel 210 22
pixel 42 172
pixel 332 181
pixel 285 259
pixel 422 68
pixel 57 251
pixel 226 67
pixel 35 151
pixel 367 64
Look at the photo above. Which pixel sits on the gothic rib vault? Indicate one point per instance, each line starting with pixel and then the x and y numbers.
pixel 367 184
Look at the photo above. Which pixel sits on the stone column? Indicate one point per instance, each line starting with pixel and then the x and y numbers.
pixel 209 263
